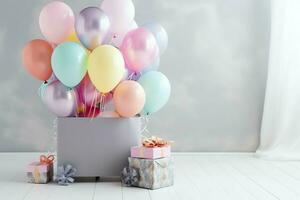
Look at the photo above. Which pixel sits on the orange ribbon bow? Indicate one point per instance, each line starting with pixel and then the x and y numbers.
pixel 46 159
pixel 155 142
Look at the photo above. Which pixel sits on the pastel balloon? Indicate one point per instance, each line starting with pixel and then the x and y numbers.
pixel 42 88
pixel 157 88
pixel 109 114
pixel 36 58
pixel 56 21
pixel 129 98
pixel 72 37
pixel 120 13
pixel 92 26
pixel 69 63
pixel 160 35
pixel 87 92
pixel 117 38
pixel 139 49
pixel 60 100
pixel 106 68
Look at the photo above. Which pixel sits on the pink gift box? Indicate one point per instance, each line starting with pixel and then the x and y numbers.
pixel 39 173
pixel 150 153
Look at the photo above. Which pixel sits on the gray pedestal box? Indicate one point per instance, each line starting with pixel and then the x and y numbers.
pixel 97 147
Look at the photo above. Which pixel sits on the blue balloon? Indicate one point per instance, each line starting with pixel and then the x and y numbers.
pixel 69 63
pixel 157 89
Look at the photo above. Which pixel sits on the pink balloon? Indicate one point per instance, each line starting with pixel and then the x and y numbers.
pixel 139 49
pixel 56 21
pixel 87 92
pixel 129 98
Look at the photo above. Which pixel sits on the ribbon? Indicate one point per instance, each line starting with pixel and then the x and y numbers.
pixel 155 142
pixel 36 174
pixel 46 159
pixel 65 174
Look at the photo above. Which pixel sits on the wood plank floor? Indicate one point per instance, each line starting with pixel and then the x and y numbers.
pixel 197 176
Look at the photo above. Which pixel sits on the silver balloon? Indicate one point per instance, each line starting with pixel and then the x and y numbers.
pixel 59 99
pixel 92 26
pixel 160 35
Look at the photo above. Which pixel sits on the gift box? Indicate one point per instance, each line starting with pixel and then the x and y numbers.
pixel 40 172
pixel 153 174
pixel 150 153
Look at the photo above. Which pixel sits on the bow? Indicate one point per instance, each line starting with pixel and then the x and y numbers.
pixel 46 159
pixel 129 176
pixel 65 174
pixel 154 141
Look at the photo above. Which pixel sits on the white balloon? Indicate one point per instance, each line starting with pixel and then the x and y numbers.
pixel 117 39
pixel 120 12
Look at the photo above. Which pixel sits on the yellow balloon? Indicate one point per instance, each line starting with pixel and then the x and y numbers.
pixel 72 37
pixel 106 67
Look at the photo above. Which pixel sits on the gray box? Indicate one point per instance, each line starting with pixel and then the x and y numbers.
pixel 97 147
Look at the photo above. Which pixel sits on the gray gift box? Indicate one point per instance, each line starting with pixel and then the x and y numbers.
pixel 96 147
pixel 153 174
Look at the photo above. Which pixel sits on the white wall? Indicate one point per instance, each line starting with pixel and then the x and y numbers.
pixel 216 62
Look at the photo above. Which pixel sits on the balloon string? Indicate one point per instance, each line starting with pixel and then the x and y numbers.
pixel 102 102
pixel 94 104
pixel 144 131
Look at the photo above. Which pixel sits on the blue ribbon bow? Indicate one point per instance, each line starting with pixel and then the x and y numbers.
pixel 65 174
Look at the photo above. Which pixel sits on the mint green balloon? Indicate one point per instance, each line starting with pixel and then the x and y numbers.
pixel 157 89
pixel 69 63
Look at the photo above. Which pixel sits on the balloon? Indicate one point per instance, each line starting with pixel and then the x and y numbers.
pixel 36 57
pixel 160 35
pixel 120 13
pixel 92 26
pixel 129 98
pixel 69 63
pixel 157 88
pixel 109 114
pixel 153 66
pixel 106 67
pixel 44 85
pixel 117 38
pixel 87 92
pixel 139 49
pixel 56 21
pixel 72 37
pixel 61 100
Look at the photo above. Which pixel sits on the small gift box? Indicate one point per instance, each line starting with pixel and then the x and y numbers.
pixel 153 174
pixel 152 148
pixel 41 172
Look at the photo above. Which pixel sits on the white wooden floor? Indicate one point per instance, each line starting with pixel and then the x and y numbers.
pixel 197 176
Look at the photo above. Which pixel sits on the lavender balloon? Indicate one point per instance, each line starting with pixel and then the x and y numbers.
pixel 61 100
pixel 92 26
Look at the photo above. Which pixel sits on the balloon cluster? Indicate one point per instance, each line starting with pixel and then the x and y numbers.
pixel 99 56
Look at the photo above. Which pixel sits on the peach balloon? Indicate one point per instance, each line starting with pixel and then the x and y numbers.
pixel 36 57
pixel 129 98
